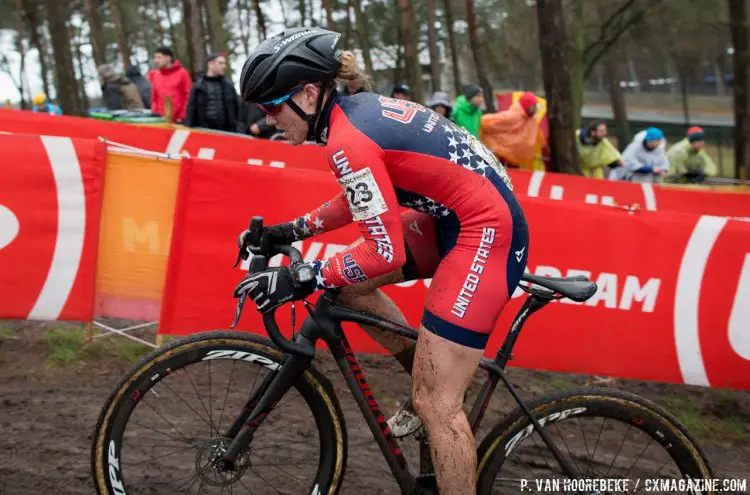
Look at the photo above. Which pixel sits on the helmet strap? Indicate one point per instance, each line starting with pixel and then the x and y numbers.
pixel 313 133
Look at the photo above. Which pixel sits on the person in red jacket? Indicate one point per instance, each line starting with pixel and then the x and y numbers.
pixel 169 79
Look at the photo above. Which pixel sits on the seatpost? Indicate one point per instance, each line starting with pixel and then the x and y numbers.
pixel 531 305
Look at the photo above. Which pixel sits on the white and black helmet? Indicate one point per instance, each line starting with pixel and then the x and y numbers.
pixel 291 57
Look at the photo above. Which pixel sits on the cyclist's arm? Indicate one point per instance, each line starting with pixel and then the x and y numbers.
pixel 358 164
pixel 331 215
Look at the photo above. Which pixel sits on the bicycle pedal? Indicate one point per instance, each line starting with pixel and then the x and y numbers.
pixel 426 485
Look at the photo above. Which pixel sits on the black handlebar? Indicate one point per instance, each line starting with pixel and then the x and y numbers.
pixel 258 263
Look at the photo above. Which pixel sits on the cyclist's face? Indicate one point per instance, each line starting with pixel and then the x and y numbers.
pixel 287 120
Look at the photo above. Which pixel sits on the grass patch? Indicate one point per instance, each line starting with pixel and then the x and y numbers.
pixel 67 346
pixel 706 425
pixel 131 351
pixel 6 334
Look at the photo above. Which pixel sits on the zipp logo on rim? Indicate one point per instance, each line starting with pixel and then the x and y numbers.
pixel 526 432
pixel 114 468
pixel 241 356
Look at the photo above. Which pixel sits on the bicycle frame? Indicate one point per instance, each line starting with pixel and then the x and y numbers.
pixel 324 322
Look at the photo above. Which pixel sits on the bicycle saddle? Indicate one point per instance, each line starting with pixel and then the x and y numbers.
pixel 578 288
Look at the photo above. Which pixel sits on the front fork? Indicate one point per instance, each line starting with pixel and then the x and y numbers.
pixel 274 386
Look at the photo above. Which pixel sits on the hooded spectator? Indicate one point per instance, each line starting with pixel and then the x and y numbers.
pixel 144 87
pixel 401 92
pixel 688 159
pixel 169 79
pixel 467 112
pixel 513 135
pixel 42 105
pixel 118 92
pixel 645 157
pixel 440 103
pixel 598 154
pixel 213 102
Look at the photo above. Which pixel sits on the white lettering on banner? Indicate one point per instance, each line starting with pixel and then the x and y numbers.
pixel 594 199
pixel 607 292
pixel 9 226
pixel 556 192
pixel 634 291
pixel 259 163
pixel 206 153
pixel 739 319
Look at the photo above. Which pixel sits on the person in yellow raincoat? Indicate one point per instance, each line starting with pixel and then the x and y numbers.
pixel 514 135
pixel 597 153
pixel 688 160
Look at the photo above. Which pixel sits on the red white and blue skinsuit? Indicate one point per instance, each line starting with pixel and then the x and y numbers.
pixel 463 226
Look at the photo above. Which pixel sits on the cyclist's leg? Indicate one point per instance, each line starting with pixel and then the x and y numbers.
pixel 422 260
pixel 467 294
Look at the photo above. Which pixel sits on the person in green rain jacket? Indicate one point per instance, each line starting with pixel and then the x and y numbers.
pixel 467 112
pixel 688 161
pixel 598 154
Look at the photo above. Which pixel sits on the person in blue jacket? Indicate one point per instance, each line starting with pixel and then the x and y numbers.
pixel 42 105
pixel 646 157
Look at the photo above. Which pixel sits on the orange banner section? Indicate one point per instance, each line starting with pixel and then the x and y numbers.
pixel 136 229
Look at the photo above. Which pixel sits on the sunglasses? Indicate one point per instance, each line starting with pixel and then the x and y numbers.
pixel 273 107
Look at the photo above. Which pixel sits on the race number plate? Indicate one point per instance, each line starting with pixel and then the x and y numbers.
pixel 364 196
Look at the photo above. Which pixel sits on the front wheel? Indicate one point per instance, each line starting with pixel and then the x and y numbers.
pixel 168 420
pixel 603 433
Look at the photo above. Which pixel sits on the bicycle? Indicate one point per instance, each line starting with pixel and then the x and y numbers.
pixel 519 447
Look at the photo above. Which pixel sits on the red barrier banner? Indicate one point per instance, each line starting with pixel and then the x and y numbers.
pixel 50 204
pixel 672 296
pixel 649 196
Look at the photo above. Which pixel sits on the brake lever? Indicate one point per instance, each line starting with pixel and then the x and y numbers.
pixel 238 311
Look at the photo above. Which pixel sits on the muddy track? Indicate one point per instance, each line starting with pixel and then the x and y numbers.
pixel 47 416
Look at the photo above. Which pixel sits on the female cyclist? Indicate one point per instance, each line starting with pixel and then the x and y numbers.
pixel 463 227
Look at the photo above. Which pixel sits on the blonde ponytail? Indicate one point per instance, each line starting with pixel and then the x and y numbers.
pixel 349 71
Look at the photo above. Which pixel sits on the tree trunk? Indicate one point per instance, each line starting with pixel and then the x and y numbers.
pixel 411 56
pixel 98 45
pixel 198 36
pixel 484 82
pixel 302 11
pixel 577 48
pixel 556 74
pixel 32 17
pixel 146 37
pixel 20 27
pixel 738 15
pixel 719 75
pixel 617 99
pixel 260 18
pixel 684 80
pixel 208 24
pixel 187 12
pixel 83 97
pixel 364 34
pixel 330 23
pixel 452 42
pixel 167 11
pixel 348 25
pixel 220 39
pixel 432 42
pixel 283 13
pixel 67 86
pixel 399 57
pixel 157 20
pixel 244 8
pixel 121 31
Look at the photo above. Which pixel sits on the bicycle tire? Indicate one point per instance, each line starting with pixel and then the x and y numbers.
pixel 628 408
pixel 314 388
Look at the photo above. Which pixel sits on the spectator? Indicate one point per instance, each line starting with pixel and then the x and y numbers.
pixel 688 161
pixel 468 109
pixel 41 105
pixel 513 135
pixel 118 92
pixel 144 87
pixel 401 92
pixel 253 122
pixel 598 154
pixel 645 158
pixel 169 79
pixel 352 87
pixel 440 103
pixel 213 102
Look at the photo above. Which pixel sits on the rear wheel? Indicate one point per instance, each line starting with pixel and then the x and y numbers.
pixel 603 433
pixel 165 424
